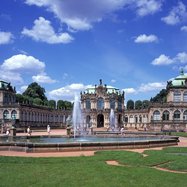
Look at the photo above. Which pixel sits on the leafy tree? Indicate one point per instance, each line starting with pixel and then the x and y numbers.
pixel 160 97
pixel 130 104
pixel 52 104
pixel 68 105
pixel 60 104
pixel 138 105
pixel 37 101
pixel 19 98
pixel 145 104
pixel 34 90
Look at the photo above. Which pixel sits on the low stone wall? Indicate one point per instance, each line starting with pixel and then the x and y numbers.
pixel 62 147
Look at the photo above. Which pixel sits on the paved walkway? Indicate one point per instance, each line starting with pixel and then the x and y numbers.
pixel 182 143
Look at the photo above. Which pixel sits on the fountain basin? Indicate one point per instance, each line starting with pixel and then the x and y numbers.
pixel 62 144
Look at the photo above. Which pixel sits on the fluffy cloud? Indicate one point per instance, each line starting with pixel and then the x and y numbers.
pixel 43 78
pixel 151 86
pixel 15 67
pixel 143 38
pixel 43 31
pixel 184 28
pixel 68 92
pixel 129 90
pixel 80 15
pixel 22 63
pixel 176 15
pixel 146 7
pixel 5 38
pixel 166 60
pixel 162 60
pixel 13 77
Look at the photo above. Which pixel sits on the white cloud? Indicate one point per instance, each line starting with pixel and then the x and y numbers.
pixel 166 60
pixel 18 66
pixel 146 7
pixel 24 63
pixel 80 15
pixel 152 86
pixel 162 60
pixel 113 81
pixel 143 38
pixel 43 78
pixel 129 90
pixel 181 57
pixel 184 28
pixel 5 37
pixel 68 92
pixel 176 15
pixel 43 31
pixel 13 77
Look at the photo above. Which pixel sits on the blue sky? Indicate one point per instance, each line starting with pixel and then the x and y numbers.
pixel 67 46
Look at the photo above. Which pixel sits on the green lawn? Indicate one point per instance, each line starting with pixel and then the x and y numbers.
pixel 94 172
pixel 183 134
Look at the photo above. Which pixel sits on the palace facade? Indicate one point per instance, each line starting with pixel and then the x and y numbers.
pixel 96 105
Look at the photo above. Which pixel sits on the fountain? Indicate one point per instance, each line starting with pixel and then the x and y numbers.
pixel 77 117
pixel 112 120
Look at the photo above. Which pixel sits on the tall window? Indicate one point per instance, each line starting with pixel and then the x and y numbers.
pixel 6 114
pixel 112 103
pixel 120 104
pixel 177 115
pixel 177 96
pixel 88 104
pixel 100 104
pixel 165 115
pixel 185 115
pixel 156 115
pixel 185 97
pixel 14 114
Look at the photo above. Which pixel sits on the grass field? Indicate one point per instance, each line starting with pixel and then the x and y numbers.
pixel 94 172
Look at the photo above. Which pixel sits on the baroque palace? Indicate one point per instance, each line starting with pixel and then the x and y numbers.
pixel 96 105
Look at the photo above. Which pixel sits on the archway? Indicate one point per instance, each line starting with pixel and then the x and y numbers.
pixel 100 120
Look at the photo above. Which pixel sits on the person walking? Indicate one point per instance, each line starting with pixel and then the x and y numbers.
pixel 48 129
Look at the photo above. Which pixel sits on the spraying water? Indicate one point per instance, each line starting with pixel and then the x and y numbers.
pixel 112 119
pixel 77 116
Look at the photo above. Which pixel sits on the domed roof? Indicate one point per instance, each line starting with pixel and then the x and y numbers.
pixel 179 81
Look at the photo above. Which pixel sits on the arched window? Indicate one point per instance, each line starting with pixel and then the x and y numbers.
pixel 14 114
pixel 185 115
pixel 88 118
pixel 177 96
pixel 140 119
pixel 165 115
pixel 126 119
pixel 185 97
pixel 6 114
pixel 112 103
pixel 88 104
pixel 100 104
pixel 177 115
pixel 156 115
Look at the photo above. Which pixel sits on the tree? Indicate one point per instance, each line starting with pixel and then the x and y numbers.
pixel 52 104
pixel 160 97
pixel 138 105
pixel 60 104
pixel 19 98
pixel 34 90
pixel 130 104
pixel 68 105
pixel 37 101
pixel 145 104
